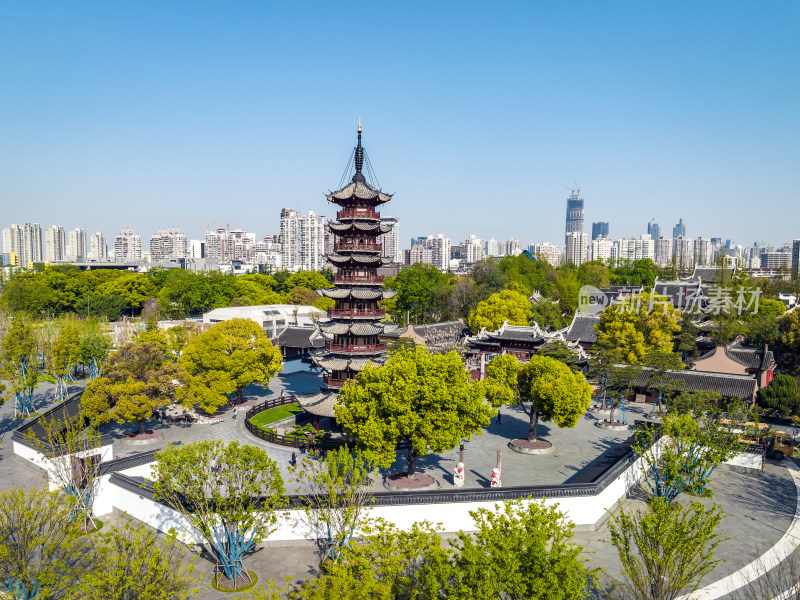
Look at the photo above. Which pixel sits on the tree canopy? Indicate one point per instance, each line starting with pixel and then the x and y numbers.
pixel 225 358
pixel 427 400
pixel 781 394
pixel 498 308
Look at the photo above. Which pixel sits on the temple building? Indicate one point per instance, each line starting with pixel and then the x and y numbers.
pixel 353 332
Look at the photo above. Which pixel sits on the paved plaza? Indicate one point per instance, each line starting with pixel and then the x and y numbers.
pixel 759 507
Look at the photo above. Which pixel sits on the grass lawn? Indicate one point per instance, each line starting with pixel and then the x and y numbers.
pixel 275 414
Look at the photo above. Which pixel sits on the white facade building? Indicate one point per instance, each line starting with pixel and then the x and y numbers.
pixel 547 251
pixel 127 246
pixel 196 249
pixel 601 249
pixel 55 244
pixel 76 245
pixel 274 318
pixel 267 252
pixel 302 241
pixel 98 247
pixel 636 248
pixel 168 244
pixel 490 247
pixel 472 250
pixel 683 251
pixel 390 241
pixel 25 241
pixel 664 251
pixel 703 251
pixel 514 247
pixel 575 251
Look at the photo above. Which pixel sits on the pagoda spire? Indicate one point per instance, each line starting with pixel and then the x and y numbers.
pixel 359 176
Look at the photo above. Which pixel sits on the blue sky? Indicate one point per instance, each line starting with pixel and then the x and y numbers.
pixel 476 115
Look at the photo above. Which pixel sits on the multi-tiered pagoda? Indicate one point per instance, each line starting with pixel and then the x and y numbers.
pixel 352 334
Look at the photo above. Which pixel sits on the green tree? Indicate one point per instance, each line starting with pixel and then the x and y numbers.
pixel 501 307
pixel 665 550
pixel 95 345
pixel 302 296
pixel 20 364
pixel 65 354
pixel 788 354
pixel 389 563
pixel 308 279
pixel 762 328
pixel 696 403
pixel 638 327
pixel 544 388
pixel 415 298
pixel 224 359
pixel 659 363
pixel 138 381
pixel 131 563
pixel 560 352
pixel 426 400
pixel 134 289
pixel 523 550
pixel 336 495
pixel 781 394
pixel 549 315
pixel 228 492
pixel 41 555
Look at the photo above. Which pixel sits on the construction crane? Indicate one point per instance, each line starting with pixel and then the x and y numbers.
pixel 208 224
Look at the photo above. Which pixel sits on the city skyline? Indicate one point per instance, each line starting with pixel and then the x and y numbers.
pixel 151 116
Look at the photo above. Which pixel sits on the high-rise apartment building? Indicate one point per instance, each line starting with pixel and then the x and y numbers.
pixel 663 251
pixel 472 250
pixel 168 244
pixel 390 241
pixel 599 230
pixel 546 251
pixel 420 253
pixel 55 243
pixel 679 230
pixel 76 245
pixel 302 241
pixel 703 251
pixel 127 246
pixel 513 247
pixel 440 251
pixel 98 247
pixel 601 249
pixel 776 260
pixel 575 216
pixel 636 248
pixel 196 249
pixel 795 258
pixel 683 249
pixel 575 251
pixel 490 247
pixel 25 241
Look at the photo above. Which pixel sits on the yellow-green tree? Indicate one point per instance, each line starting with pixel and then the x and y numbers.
pixel 426 400
pixel 637 327
pixel 224 359
pixel 498 308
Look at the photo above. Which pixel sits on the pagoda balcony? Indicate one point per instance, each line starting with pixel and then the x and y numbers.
pixel 358 213
pixel 358 279
pixel 358 246
pixel 357 312
pixel 332 382
pixel 356 348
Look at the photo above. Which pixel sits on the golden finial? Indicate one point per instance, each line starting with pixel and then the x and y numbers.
pixel 359 124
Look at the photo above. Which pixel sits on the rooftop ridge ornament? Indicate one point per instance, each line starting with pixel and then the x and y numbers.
pixel 359 157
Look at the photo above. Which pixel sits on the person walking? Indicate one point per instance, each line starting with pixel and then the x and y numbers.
pixel 234 412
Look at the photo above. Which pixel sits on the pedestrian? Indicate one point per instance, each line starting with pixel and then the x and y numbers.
pixel 499 418
pixel 294 459
pixel 234 412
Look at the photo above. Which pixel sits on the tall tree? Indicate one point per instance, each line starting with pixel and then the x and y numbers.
pixel 95 346
pixel 664 550
pixel 498 308
pixel 781 394
pixel 641 325
pixel 65 354
pixel 139 380
pixel 21 364
pixel 415 286
pixel 544 388
pixel 132 562
pixel 41 553
pixel 224 359
pixel 521 550
pixel 336 495
pixel 426 400
pixel 228 492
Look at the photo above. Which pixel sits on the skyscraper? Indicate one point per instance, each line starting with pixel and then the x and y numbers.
pixel 54 244
pixel 576 248
pixel 599 229
pixel 25 241
pixel 473 250
pixel 76 245
pixel 574 215
pixel 664 251
pixel 390 244
pixel 302 241
pixel 98 247
pixel 679 229
pixel 653 230
pixel 167 244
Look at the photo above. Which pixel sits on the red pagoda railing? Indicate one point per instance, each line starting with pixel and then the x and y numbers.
pixel 332 381
pixel 357 312
pixel 358 246
pixel 349 213
pixel 356 347
pixel 358 279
